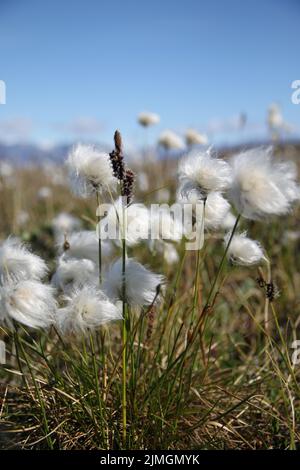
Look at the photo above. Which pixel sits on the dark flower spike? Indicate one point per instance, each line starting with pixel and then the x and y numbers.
pixel 128 183
pixel 117 158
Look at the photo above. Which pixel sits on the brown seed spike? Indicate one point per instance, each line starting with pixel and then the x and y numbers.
pixel 116 157
pixel 118 141
pixel 128 182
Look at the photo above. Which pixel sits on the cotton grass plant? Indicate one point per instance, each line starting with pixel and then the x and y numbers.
pixel 135 343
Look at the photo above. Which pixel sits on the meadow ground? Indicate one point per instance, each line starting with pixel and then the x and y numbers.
pixel 231 383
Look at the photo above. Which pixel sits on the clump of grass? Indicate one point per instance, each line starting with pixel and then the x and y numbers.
pixel 202 368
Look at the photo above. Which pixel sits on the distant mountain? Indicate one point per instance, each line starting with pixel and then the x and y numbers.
pixel 31 153
pixel 24 153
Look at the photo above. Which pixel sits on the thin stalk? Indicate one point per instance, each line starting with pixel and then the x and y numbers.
pixel 182 355
pixel 196 282
pixel 97 381
pixel 267 300
pixel 124 337
pixel 99 241
pixel 221 265
pixel 36 386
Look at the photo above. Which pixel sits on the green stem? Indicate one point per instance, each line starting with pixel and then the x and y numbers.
pixel 99 241
pixel 124 340
pixel 97 382
pixel 221 265
pixel 48 438
pixel 195 296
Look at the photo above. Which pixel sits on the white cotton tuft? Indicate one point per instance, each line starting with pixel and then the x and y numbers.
pixel 275 118
pixel 90 170
pixel 22 218
pixel 243 250
pixel 170 254
pixel 147 119
pixel 141 284
pixel 85 245
pixel 216 206
pixel 44 192
pixel 170 141
pixel 86 308
pixel 136 222
pixel 72 273
pixel 229 221
pixel 202 171
pixel 63 224
pixel 6 169
pixel 194 137
pixel 28 302
pixel 18 263
pixel 262 186
pixel 216 209
pixel 165 249
pixel 143 181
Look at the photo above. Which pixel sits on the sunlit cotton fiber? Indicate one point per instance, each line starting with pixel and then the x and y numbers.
pixel 262 186
pixel 86 308
pixel 72 273
pixel 28 302
pixel 214 206
pixel 65 223
pixel 243 250
pixel 84 245
pixel 228 221
pixel 18 263
pixel 202 171
pixel 141 284
pixel 90 170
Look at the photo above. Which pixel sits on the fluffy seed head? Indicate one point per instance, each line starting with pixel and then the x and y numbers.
pixel 86 309
pixel 147 119
pixel 228 221
pixel 170 141
pixel 72 273
pixel 204 172
pixel 17 263
pixel 262 186
pixel 65 223
pixel 90 170
pixel 243 250
pixel 215 209
pixel 167 250
pixel 275 119
pixel 28 302
pixel 141 284
pixel 194 137
pixel 44 192
pixel 84 245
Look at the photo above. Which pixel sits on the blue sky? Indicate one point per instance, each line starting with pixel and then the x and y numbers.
pixel 77 69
